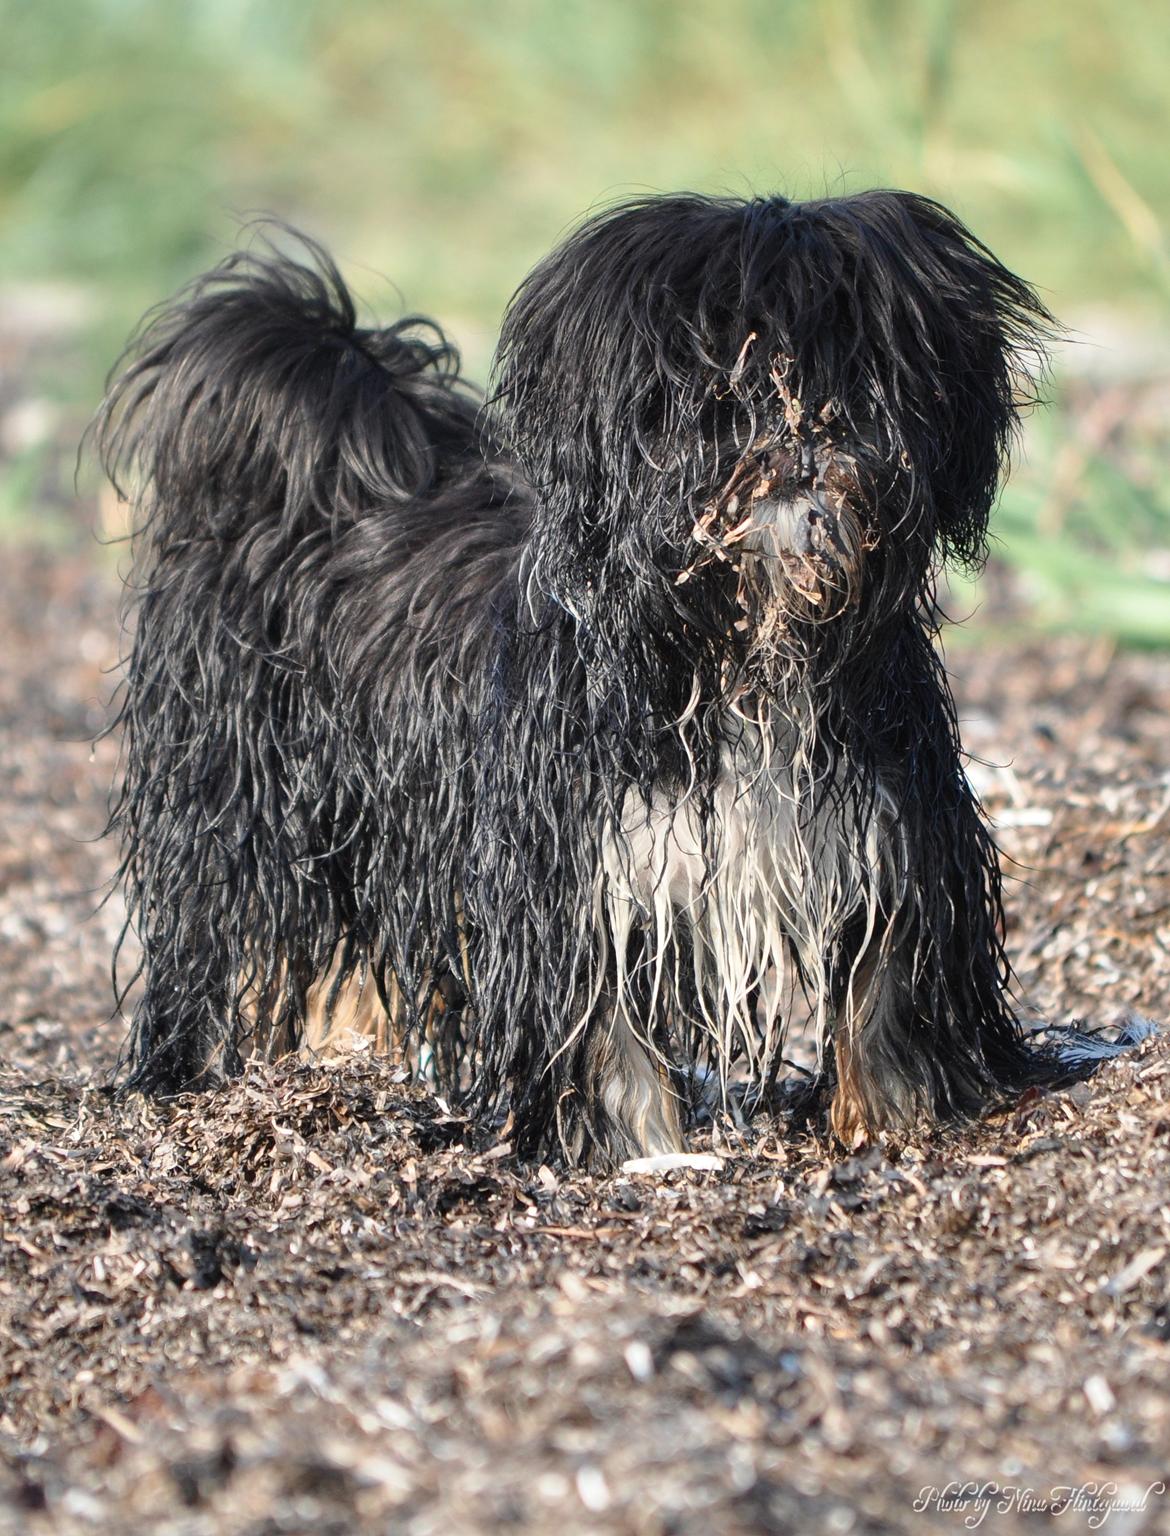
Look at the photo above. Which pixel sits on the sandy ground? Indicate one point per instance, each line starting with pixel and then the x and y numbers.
pixel 321 1302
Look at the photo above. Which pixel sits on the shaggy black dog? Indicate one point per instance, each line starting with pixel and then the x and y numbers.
pixel 561 740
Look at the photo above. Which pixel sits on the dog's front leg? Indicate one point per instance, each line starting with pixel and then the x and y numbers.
pixel 639 1106
pixel 870 1092
pixel 922 1019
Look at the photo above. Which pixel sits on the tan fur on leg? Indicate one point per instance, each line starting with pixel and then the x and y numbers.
pixel 335 1022
pixel 851 1118
pixel 848 1114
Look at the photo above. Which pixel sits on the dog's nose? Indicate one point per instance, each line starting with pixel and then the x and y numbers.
pixel 815 525
pixel 801 525
pixel 820 523
pixel 805 532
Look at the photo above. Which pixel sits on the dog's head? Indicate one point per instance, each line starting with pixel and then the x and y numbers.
pixel 753 417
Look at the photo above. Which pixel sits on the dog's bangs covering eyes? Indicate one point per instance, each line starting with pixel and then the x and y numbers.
pixel 572 741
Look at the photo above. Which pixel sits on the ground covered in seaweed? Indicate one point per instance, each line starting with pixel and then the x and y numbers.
pixel 320 1301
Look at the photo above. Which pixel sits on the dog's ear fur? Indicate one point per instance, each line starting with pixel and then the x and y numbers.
pixel 965 350
pixel 638 363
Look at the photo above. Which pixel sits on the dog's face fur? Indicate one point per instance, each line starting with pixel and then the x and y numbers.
pixel 778 414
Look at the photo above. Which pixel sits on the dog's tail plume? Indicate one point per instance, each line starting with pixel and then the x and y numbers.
pixel 255 391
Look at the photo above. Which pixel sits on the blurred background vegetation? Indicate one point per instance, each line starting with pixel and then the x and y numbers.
pixel 440 146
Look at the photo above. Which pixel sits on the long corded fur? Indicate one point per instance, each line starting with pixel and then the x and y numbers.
pixel 567 721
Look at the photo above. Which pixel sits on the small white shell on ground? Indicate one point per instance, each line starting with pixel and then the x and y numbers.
pixel 665 1161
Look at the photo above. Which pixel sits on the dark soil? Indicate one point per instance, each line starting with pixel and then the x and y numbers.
pixel 321 1302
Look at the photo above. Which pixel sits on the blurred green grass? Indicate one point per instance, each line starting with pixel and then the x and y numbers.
pixel 441 146
pixel 1084 521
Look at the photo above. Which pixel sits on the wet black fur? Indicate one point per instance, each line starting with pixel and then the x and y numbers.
pixel 398 653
